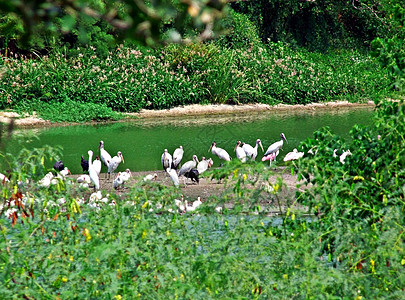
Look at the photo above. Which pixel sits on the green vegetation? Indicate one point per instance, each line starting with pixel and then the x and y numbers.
pixel 129 80
pixel 62 243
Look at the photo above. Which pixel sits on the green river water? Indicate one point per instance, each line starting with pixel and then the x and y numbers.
pixel 142 142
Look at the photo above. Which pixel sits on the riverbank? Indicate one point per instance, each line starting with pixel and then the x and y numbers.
pixel 189 110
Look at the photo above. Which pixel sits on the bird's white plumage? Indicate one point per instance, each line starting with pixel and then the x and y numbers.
pixel 97 165
pixel 104 155
pixel 177 156
pixel 204 164
pixel 3 178
pixel 276 146
pixel 92 172
pixel 115 161
pixel 166 160
pixel 250 151
pixel 186 167
pixel 83 179
pixel 293 155
pixel 173 176
pixel 240 153
pixel 150 177
pixel 221 153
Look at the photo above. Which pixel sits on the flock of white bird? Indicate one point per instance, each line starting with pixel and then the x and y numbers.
pixel 191 169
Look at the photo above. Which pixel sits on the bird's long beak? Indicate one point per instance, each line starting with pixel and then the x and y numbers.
pixel 122 157
pixel 236 146
pixel 69 171
pixel 261 146
pixel 209 149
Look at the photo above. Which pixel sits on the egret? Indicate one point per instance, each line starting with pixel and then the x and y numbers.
pixel 250 151
pixel 92 172
pixel 293 155
pixel 97 165
pixel 221 153
pixel 271 156
pixel 177 156
pixel 59 165
pixel 114 162
pixel 173 176
pixel 166 160
pixel 187 166
pixel 150 177
pixel 104 155
pixel 273 148
pixel 240 153
pixel 85 164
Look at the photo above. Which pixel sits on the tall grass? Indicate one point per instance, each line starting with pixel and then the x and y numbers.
pixel 132 79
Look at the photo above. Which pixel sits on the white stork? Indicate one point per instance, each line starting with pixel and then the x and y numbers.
pixel 240 153
pixel 273 148
pixel 166 160
pixel 104 155
pixel 114 162
pixel 221 153
pixel 177 157
pixel 187 166
pixel 92 172
pixel 250 151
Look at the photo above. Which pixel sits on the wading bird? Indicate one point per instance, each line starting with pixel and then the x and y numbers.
pixel 204 164
pixel 97 165
pixel 92 172
pixel 221 153
pixel 273 148
pixel 187 166
pixel 104 155
pixel 293 155
pixel 251 152
pixel 150 177
pixel 166 160
pixel 193 174
pixel 173 176
pixel 240 153
pixel 114 162
pixel 177 157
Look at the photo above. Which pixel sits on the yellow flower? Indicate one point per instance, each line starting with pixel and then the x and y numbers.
pixel 245 176
pixel 64 279
pixel 285 276
pixel 235 173
pixel 118 297
pixel 71 258
pixel 144 234
pixel 86 233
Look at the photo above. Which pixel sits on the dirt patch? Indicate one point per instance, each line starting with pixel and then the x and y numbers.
pixel 208 190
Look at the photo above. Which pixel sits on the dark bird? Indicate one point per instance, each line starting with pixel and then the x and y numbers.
pixel 59 165
pixel 193 175
pixel 85 164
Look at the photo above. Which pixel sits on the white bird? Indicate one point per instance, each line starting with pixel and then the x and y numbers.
pixel 250 151
pixel 187 166
pixel 240 153
pixel 344 155
pixel 173 176
pixel 273 148
pixel 293 155
pixel 65 172
pixel 177 157
pixel 126 175
pixel 118 181
pixel 97 165
pixel 104 155
pixel 3 178
pixel 46 180
pixel 221 153
pixel 150 177
pixel 92 172
pixel 114 162
pixel 204 164
pixel 83 179
pixel 166 160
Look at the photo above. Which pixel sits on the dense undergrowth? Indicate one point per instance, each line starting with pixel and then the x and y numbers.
pixel 130 79
pixel 61 243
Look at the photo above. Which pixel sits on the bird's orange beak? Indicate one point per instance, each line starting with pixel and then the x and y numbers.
pixel 261 146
